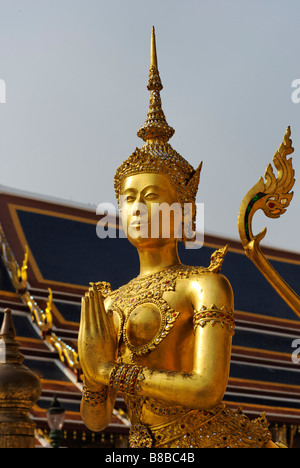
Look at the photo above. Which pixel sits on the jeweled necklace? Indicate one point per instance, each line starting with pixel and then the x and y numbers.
pixel 151 286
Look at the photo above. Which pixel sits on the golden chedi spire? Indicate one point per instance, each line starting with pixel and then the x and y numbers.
pixel 155 126
pixel 20 388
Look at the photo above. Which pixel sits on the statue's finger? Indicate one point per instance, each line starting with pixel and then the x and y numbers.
pixel 100 310
pixel 93 313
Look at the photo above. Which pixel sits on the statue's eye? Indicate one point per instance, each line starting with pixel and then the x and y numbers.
pixel 151 196
pixel 283 201
pixel 271 203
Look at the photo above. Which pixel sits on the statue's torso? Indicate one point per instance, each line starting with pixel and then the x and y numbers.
pixel 154 319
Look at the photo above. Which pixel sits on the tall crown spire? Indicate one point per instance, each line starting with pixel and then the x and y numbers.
pixel 153 54
pixel 157 155
pixel 155 126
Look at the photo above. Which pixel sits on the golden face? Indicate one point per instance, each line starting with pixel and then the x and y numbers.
pixel 150 211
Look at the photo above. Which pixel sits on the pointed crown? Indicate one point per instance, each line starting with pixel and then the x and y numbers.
pixel 157 155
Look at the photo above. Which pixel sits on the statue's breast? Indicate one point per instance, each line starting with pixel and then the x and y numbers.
pixel 143 325
pixel 147 322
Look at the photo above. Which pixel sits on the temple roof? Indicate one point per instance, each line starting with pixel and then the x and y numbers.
pixel 65 254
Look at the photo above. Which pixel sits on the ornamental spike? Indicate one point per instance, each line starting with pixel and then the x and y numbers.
pixel 153 54
pixel 155 127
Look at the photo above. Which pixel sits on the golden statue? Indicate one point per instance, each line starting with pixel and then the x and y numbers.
pixel 163 339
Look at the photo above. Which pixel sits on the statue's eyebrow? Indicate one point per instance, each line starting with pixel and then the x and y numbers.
pixel 156 188
pixel 152 187
pixel 130 189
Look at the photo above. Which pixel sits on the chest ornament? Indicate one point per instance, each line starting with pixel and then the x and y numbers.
pixel 147 323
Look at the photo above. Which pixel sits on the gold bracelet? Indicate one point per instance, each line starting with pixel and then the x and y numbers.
pixel 94 398
pixel 125 377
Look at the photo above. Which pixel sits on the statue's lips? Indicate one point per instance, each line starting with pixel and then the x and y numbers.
pixel 137 223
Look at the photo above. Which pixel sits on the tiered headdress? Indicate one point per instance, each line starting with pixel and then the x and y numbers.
pixel 157 155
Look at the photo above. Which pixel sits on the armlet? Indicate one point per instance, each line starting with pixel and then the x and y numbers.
pixel 212 315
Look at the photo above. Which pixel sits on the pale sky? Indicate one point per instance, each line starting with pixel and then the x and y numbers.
pixel 76 73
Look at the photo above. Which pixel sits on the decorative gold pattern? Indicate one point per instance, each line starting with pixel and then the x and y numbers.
pixel 67 354
pixel 139 437
pixel 153 285
pixel 94 398
pixel 272 196
pixel 155 127
pixel 161 158
pixel 42 318
pixel 18 275
pixel 279 188
pixel 220 427
pixel 217 259
pixel 125 377
pixel 103 287
pixel 212 315
pixel 22 272
pixel 150 404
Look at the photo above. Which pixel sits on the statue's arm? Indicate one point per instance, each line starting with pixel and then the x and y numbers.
pixel 97 408
pixel 214 327
pixel 205 386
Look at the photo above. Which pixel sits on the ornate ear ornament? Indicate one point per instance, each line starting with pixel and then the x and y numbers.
pixel 193 183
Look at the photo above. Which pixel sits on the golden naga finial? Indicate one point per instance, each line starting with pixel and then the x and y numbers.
pixel 18 274
pixel 22 272
pixel 273 197
pixel 48 311
pixel 156 127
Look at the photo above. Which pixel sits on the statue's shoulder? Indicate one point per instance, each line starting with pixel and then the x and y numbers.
pixel 207 285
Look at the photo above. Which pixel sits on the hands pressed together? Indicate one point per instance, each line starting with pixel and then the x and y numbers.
pixel 97 340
